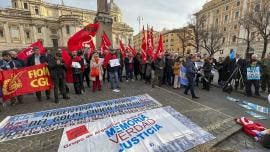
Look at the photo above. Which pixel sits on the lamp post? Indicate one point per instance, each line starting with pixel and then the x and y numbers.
pixel 139 19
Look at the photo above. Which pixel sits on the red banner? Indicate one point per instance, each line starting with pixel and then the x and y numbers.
pixel 25 80
pixel 26 53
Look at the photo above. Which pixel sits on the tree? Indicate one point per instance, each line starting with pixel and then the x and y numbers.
pixel 246 24
pixel 184 39
pixel 211 40
pixel 260 20
pixel 196 24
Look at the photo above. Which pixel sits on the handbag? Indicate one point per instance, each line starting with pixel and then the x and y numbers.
pixel 94 72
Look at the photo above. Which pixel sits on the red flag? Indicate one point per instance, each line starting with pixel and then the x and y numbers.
pixel 132 50
pixel 160 49
pixel 68 61
pixel 26 53
pixel 144 47
pixel 76 42
pixel 122 49
pixel 150 45
pixel 105 43
pixel 91 46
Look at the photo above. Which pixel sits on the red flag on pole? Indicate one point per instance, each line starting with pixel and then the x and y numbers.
pixel 160 49
pixel 150 45
pixel 26 53
pixel 105 43
pixel 144 46
pixel 122 49
pixel 76 42
pixel 132 50
pixel 68 61
pixel 91 46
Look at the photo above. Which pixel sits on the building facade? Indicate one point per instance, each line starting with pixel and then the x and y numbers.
pixel 226 14
pixel 171 41
pixel 29 20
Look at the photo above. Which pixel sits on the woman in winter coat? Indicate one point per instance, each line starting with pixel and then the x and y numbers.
pixel 96 72
pixel 176 71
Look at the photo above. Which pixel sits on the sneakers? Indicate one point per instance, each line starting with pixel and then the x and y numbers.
pixel 116 90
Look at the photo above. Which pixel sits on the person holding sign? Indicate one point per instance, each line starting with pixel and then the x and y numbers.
pixel 113 67
pixel 96 72
pixel 253 76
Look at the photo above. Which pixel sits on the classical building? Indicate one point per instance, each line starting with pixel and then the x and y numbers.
pixel 226 15
pixel 29 20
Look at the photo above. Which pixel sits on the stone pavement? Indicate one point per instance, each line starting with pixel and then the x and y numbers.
pixel 213 120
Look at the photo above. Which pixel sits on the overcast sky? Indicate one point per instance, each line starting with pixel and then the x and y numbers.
pixel 160 14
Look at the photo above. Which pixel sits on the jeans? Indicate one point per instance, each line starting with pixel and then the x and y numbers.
pixel 114 80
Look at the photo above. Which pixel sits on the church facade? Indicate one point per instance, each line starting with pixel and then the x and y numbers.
pixel 30 20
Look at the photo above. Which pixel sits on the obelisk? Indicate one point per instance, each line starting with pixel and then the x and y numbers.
pixel 105 21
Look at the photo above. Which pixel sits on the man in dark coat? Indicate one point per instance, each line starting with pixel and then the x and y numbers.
pixel 37 59
pixel 159 66
pixel 58 73
pixel 191 73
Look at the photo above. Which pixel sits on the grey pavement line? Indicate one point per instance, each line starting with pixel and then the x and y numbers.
pixel 194 101
pixel 197 110
pixel 214 126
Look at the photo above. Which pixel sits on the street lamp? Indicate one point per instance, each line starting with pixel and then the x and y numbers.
pixel 139 19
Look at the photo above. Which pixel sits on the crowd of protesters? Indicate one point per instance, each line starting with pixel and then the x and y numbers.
pixel 166 69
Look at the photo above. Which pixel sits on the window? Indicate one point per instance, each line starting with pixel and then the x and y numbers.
pixel 25 5
pixel 257 7
pixel 236 14
pixel 235 26
pixel 39 29
pixel 172 40
pixel 1 33
pixel 15 4
pixel 36 10
pixel 223 40
pixel 27 35
pixel 234 38
pixel 226 18
pixel 217 11
pixel 225 29
pixel 67 29
pixel 227 8
pixel 216 20
pixel 238 3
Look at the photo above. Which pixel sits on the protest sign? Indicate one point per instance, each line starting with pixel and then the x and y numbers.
pixel 114 63
pixel 13 127
pixel 25 80
pixel 253 73
pixel 156 130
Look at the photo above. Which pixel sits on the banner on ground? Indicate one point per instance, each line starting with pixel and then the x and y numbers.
pixel 253 73
pixel 25 80
pixel 13 127
pixel 156 130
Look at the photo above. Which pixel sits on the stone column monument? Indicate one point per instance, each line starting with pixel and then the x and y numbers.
pixel 105 21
